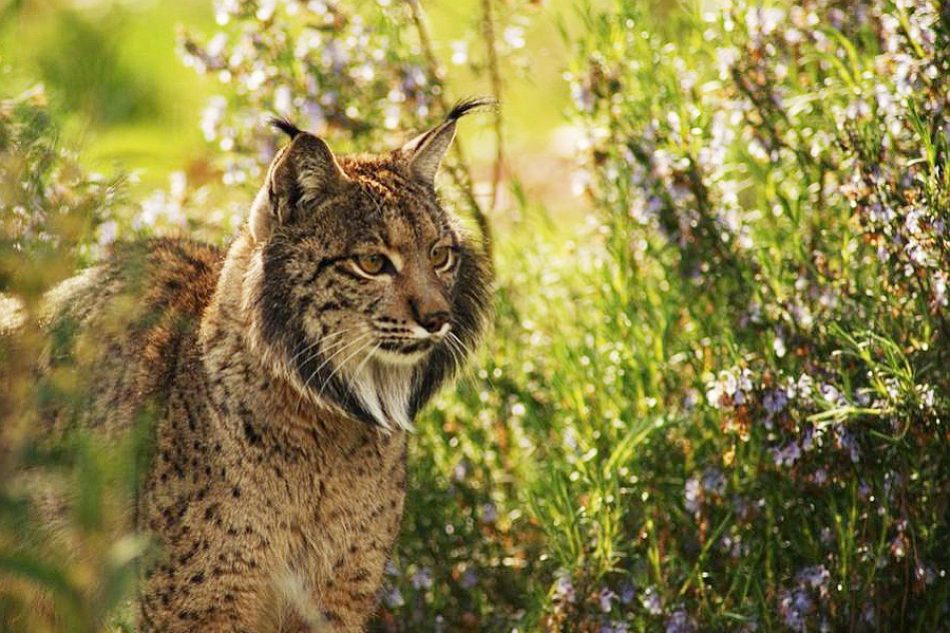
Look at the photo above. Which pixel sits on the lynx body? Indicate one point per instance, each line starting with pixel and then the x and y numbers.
pixel 281 378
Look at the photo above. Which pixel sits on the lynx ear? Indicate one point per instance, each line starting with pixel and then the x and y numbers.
pixel 302 172
pixel 424 153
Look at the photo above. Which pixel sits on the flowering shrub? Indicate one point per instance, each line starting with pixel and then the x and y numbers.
pixel 361 79
pixel 53 215
pixel 794 174
pixel 50 205
pixel 338 73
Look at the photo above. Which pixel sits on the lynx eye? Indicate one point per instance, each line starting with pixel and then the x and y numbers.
pixel 442 257
pixel 373 264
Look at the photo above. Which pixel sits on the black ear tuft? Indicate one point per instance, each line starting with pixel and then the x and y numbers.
pixel 472 104
pixel 285 126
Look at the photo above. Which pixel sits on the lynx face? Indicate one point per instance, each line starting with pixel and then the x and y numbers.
pixel 365 292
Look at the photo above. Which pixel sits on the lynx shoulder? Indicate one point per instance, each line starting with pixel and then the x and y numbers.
pixel 281 377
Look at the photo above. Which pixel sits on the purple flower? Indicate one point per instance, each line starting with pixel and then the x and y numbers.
pixel 774 401
pixel 582 96
pixel 693 494
pixel 651 601
pixel 314 115
pixel 392 597
pixel 816 577
pixel 469 579
pixel 690 399
pixel 679 622
pixel 732 387
pixel 422 579
pixel 570 440
pixel 808 439
pixel 108 231
pixel 489 513
pixel 460 472
pixel 713 481
pixel 899 546
pixel 924 573
pixel 564 589
pixel 830 394
pixel 743 507
pixel 788 455
pixel 794 607
pixel 627 593
pixel 846 441
pixel 606 599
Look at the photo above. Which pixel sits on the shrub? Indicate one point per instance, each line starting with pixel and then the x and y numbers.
pixel 53 216
pixel 773 192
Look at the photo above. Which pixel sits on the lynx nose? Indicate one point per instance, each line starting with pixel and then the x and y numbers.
pixel 434 321
pixel 431 314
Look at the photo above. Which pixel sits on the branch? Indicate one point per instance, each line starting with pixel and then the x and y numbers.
pixel 461 173
pixel 488 32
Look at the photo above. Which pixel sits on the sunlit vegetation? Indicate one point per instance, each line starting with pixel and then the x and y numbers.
pixel 716 393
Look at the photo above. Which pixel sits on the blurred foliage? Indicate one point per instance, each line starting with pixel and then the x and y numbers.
pixel 63 505
pixel 100 85
pixel 722 406
pixel 50 205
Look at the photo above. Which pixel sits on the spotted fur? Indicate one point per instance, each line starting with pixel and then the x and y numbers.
pixel 282 379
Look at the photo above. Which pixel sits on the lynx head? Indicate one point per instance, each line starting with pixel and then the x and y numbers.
pixel 362 290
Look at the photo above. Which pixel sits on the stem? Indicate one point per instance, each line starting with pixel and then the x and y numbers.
pixel 488 32
pixel 461 173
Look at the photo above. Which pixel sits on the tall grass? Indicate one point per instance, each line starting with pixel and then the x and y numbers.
pixel 723 405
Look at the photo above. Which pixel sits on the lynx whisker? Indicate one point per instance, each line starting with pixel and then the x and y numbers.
pixel 323 350
pixel 334 345
pixel 339 367
pixel 340 347
pixel 452 347
pixel 323 339
pixel 362 364
pixel 348 344
pixel 457 342
pixel 310 346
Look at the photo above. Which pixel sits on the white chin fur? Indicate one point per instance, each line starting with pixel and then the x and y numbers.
pixel 384 390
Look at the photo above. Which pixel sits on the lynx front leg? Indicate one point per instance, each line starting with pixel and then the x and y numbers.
pixel 344 601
